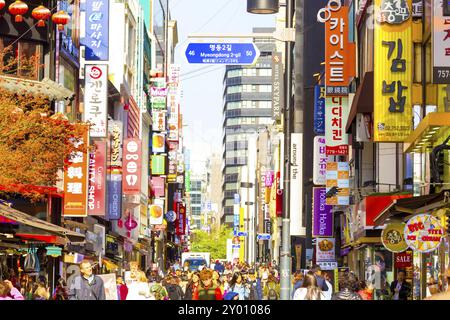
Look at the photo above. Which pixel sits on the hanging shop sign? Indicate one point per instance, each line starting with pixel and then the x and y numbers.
pixel 269 177
pixel 158 187
pixel 441 44
pixel 319 161
pixel 97 180
pixel 393 237
pixel 171 216
pixel 417 9
pixel 392 70
pixel 158 143
pixel 319 109
pixel 158 92
pixel 76 181
pixel 336 114
pixel 338 190
pixel 158 165
pixel 423 233
pixel 277 86
pixel 322 214
pixel 278 197
pixel 296 176
pixel 95 99
pixel 325 250
pixel 403 260
pixel 159 120
pixel 173 74
pixel 116 138
pixel 114 208
pixel 54 251
pixel 181 219
pixel 96 38
pixel 156 213
pixel 132 164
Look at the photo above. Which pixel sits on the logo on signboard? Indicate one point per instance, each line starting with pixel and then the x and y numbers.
pixel 394 11
pixel 423 233
pixel 393 238
pixel 171 216
pixel 95 73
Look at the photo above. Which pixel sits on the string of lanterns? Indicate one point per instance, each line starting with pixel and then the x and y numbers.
pixel 19 8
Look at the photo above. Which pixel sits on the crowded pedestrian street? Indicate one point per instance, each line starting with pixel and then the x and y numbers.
pixel 224 150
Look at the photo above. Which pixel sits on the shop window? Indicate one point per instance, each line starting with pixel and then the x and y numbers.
pixel 20 58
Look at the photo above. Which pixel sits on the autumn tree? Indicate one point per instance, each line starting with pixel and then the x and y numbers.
pixel 34 142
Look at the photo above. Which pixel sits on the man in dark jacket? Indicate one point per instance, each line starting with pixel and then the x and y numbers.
pixel 255 286
pixel 87 286
pixel 400 289
pixel 219 267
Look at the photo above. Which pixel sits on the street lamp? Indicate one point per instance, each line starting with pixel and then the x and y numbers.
pixel 265 7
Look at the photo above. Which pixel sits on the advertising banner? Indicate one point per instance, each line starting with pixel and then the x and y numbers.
pixel 114 208
pixel 336 114
pixel 319 109
pixel 325 250
pixel 423 233
pixel 277 86
pixel 441 44
pixel 181 219
pixel 132 164
pixel 296 175
pixel 159 120
pixel 97 180
pixel 319 161
pixel 158 187
pixel 116 138
pixel 279 197
pixel 322 214
pixel 338 191
pixel 96 38
pixel 269 177
pixel 173 74
pixel 392 70
pixel 159 143
pixel 156 213
pixel 158 165
pixel 393 238
pixel 95 99
pixel 76 182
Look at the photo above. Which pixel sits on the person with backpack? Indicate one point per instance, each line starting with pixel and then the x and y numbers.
pixel 271 289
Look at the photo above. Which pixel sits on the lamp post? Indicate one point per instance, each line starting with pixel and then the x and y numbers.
pixel 268 7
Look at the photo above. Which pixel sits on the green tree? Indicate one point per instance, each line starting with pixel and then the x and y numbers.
pixel 214 242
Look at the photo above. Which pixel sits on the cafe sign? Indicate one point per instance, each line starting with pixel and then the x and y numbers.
pixel 423 233
pixel 393 238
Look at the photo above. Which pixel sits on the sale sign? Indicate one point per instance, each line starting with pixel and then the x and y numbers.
pixel 423 233
pixel 97 180
pixel 131 181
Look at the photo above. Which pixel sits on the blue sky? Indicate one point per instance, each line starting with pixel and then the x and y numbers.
pixel 202 85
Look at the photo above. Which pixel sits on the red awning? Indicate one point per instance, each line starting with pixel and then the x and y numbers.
pixel 51 239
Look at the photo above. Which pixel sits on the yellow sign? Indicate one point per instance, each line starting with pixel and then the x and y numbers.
pixel 393 238
pixel 423 233
pixel 242 239
pixel 392 72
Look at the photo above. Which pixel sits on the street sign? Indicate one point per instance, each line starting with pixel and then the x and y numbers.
pixel 222 53
pixel 236 246
pixel 263 236
pixel 242 234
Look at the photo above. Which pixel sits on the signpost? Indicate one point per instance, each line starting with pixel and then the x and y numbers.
pixel 242 234
pixel 222 53
pixel 263 236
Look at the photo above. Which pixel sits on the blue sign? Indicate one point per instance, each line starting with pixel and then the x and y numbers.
pixel 236 246
pixel 96 39
pixel 236 198
pixel 263 236
pixel 171 216
pixel 222 53
pixel 114 211
pixel 242 234
pixel 319 109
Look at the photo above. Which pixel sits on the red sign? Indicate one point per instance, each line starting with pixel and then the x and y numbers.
pixel 181 219
pixel 279 197
pixel 131 181
pixel 404 259
pixel 97 180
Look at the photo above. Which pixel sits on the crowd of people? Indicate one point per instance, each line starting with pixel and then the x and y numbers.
pixel 223 281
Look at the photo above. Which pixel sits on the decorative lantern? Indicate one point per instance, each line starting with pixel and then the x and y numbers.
pixel 18 9
pixel 2 4
pixel 41 13
pixel 61 19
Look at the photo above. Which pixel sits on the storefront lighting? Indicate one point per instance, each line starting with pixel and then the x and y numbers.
pixel 262 6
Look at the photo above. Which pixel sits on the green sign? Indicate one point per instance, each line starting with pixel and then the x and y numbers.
pixel 187 180
pixel 158 164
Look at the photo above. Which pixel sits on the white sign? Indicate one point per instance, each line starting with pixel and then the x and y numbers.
pixel 325 250
pixel 95 99
pixel 319 161
pixel 174 73
pixel 296 201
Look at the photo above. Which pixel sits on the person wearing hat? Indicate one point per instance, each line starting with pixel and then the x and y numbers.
pixel 207 290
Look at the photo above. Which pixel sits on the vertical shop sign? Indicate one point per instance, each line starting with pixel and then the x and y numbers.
pixel 181 219
pixel 338 189
pixel 296 175
pixel 336 114
pixel 116 139
pixel 319 109
pixel 277 86
pixel 159 120
pixel 114 209
pixel 95 99
pixel 76 180
pixel 441 44
pixel 96 38
pixel 392 70
pixel 322 214
pixel 158 189
pixel 132 164
pixel 319 161
pixel 158 165
pixel 97 180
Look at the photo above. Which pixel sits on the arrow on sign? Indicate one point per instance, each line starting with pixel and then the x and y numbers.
pixel 222 53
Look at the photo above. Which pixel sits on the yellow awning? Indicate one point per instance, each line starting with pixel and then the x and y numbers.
pixel 110 265
pixel 426 132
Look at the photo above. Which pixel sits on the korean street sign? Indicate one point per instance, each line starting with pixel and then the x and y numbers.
pixel 263 236
pixel 222 53
pixel 242 234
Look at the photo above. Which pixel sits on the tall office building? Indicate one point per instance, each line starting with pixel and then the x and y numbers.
pixel 247 109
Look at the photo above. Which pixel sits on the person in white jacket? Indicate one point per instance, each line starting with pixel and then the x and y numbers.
pixel 140 289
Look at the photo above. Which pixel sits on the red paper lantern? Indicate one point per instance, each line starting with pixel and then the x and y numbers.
pixel 18 9
pixel 61 19
pixel 2 4
pixel 41 13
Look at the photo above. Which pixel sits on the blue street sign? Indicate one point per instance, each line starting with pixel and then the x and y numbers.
pixel 242 234
pixel 236 246
pixel 263 236
pixel 222 53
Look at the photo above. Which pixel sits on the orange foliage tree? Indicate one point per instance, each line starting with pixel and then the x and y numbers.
pixel 34 143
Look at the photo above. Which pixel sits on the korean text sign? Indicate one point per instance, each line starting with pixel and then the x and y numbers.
pixel 319 109
pixel 441 44
pixel 132 163
pixel 95 99
pixel 392 71
pixel 322 214
pixel 336 114
pixel 97 180
pixel 319 161
pixel 97 30
pixel 76 181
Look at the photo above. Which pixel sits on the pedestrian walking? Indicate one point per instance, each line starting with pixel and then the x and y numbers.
pixel 173 289
pixel 309 289
pixel 347 285
pixel 297 282
pixel 237 285
pixel 158 291
pixel 255 286
pixel 192 286
pixel 400 289
pixel 87 286
pixel 60 292
pixel 9 292
pixel 271 290
pixel 364 291
pixel 329 293
pixel 122 289
pixel 206 290
pixel 320 280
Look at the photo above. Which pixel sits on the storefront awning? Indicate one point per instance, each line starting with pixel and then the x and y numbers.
pixel 46 87
pixel 363 101
pixel 426 132
pixel 26 219
pixel 402 208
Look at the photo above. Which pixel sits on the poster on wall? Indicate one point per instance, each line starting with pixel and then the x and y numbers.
pixel 423 233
